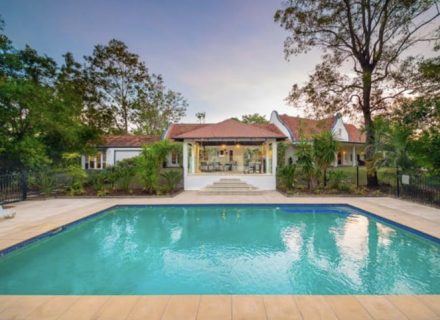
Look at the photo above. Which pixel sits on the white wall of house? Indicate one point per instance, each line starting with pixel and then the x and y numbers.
pixel 339 130
pixel 261 181
pixel 274 118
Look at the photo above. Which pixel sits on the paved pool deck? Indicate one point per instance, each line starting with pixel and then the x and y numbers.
pixel 38 216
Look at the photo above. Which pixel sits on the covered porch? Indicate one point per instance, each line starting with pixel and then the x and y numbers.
pixel 350 154
pixel 246 152
pixel 250 160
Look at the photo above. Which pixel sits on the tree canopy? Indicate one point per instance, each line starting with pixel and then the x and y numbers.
pixel 362 42
pixel 47 109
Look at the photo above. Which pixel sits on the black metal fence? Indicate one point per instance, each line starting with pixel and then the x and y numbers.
pixel 13 187
pixel 417 187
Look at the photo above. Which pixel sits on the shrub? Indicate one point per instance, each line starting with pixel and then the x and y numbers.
pixel 97 179
pixel 77 176
pixel 123 173
pixel 45 181
pixel 338 180
pixel 171 179
pixel 286 176
pixel 150 161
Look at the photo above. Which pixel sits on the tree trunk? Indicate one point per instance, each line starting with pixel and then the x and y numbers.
pixel 369 148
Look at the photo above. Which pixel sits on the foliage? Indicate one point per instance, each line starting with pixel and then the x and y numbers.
pixel 324 152
pixel 286 176
pixel 306 163
pixel 150 162
pixel 123 173
pixel 281 154
pixel 201 116
pixel 77 175
pixel 44 179
pixel 39 120
pixel 254 118
pixel 47 110
pixel 392 144
pixel 366 36
pixel 98 179
pixel 337 179
pixel 171 179
pixel 128 93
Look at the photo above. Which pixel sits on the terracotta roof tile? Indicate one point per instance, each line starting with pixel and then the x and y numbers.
pixel 231 128
pixel 354 134
pixel 307 128
pixel 127 140
pixel 177 129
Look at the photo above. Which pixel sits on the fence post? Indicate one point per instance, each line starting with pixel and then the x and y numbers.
pixel 357 176
pixel 397 183
pixel 23 185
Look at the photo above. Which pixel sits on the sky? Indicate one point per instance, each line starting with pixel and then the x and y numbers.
pixel 225 56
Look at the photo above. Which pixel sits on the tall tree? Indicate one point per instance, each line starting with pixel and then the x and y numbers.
pixel 254 119
pixel 368 37
pixel 122 89
pixel 38 119
pixel 156 109
pixel 118 75
pixel 201 116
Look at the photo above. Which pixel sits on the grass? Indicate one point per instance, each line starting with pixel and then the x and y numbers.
pixel 385 175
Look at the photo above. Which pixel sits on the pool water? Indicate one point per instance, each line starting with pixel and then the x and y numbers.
pixel 289 249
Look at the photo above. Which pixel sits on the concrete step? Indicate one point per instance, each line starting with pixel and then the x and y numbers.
pixel 231 193
pixel 231 186
pixel 247 188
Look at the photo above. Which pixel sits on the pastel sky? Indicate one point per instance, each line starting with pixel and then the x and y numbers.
pixel 225 56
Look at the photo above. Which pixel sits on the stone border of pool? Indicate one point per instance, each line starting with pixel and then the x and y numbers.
pixel 37 217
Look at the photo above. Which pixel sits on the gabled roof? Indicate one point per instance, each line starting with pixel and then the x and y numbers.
pixel 127 140
pixel 307 128
pixel 177 129
pixel 354 134
pixel 231 129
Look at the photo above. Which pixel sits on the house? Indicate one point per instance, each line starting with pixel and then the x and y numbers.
pixel 351 139
pixel 114 148
pixel 230 148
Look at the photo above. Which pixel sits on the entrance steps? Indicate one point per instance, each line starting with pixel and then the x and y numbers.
pixel 231 186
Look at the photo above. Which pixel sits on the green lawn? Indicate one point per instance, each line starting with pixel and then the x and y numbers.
pixel 385 175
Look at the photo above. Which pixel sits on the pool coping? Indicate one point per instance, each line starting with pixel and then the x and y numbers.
pixel 164 307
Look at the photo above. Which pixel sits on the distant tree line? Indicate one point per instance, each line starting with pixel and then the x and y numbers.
pixel 47 109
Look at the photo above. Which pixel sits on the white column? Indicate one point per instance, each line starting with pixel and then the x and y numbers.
pixel 354 156
pixel 193 158
pixel 336 159
pixel 185 159
pixel 274 158
pixel 267 148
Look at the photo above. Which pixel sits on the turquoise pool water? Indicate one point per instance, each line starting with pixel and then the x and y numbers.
pixel 295 249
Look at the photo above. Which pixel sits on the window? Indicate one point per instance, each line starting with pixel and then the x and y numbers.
pixel 97 161
pixel 174 158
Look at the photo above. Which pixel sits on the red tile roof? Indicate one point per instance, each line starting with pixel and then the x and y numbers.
pixel 177 129
pixel 127 140
pixel 307 128
pixel 231 129
pixel 354 134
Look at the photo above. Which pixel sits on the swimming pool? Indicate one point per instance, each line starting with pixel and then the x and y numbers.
pixel 226 249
